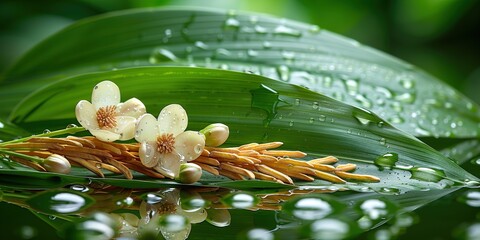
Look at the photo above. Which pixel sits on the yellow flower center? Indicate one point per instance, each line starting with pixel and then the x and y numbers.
pixel 106 117
pixel 165 143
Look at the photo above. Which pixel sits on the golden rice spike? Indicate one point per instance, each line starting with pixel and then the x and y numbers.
pixel 359 177
pixel 91 151
pixel 294 162
pixel 267 158
pixel 107 146
pixel 129 154
pixel 81 155
pixel 247 146
pixel 249 159
pixel 300 176
pixel 238 160
pixel 28 163
pixel 328 177
pixel 263 146
pixel 241 171
pixel 323 167
pixel 205 153
pixel 274 173
pixel 249 153
pixel 207 160
pixel 88 165
pixel 141 169
pixel 132 147
pixel 54 140
pixel 223 155
pixel 208 168
pixel 284 153
pixel 110 168
pixel 262 176
pixel 41 154
pixel 228 150
pixel 28 145
pixel 325 160
pixel 346 167
pixel 125 171
pixel 85 142
pixel 231 175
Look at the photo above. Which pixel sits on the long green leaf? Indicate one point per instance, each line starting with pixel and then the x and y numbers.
pixel 259 109
pixel 289 51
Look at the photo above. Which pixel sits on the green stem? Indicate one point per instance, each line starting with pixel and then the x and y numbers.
pixel 71 130
pixel 24 156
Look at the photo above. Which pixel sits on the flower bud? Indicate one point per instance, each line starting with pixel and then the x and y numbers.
pixel 189 173
pixel 57 163
pixel 215 134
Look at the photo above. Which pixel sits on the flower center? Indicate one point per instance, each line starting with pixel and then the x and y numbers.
pixel 106 117
pixel 165 143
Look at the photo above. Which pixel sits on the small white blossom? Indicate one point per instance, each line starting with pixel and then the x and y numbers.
pixel 163 143
pixel 105 117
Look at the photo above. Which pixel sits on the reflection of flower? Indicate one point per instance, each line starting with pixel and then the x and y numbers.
pixel 164 144
pixel 106 118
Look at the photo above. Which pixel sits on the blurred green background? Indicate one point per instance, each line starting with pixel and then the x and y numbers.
pixel 439 36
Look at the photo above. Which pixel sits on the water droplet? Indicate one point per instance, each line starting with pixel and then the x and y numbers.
pixel 387 160
pixel 266 99
pixel 173 223
pixel 322 118
pixel 201 45
pixel 427 174
pixel 56 201
pixel 376 209
pixel 380 124
pixel 291 123
pixel 297 102
pixel 259 234
pixel 232 23
pixel 364 101
pixel 51 217
pixel 407 83
pixel 46 131
pixel 71 125
pixel 330 228
pixel 80 188
pixel 384 91
pixel 363 116
pixel 283 73
pixel 351 86
pixel 260 30
pixel 287 31
pixel 153 198
pixel 471 198
pixel 267 44
pixel 389 191
pixel 311 120
pixel 406 97
pixel 198 149
pixel 287 55
pixel 314 29
pixel 383 141
pixel 98 165
pixel 252 53
pixel 315 105
pixel 162 55
pixel 312 207
pixel 396 119
pixel 240 200
pixel 422 132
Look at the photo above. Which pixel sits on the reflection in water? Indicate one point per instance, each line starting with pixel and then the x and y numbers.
pixel 105 212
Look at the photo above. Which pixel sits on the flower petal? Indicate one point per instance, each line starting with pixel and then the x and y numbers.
pixel 125 127
pixel 104 94
pixel 105 135
pixel 172 119
pixel 189 144
pixel 148 153
pixel 146 129
pixel 197 216
pixel 169 164
pixel 86 115
pixel 132 107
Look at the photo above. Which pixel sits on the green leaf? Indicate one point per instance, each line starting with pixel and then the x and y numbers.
pixel 289 51
pixel 258 109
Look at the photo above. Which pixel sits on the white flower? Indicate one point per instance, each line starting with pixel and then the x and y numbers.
pixel 163 143
pixel 106 118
